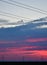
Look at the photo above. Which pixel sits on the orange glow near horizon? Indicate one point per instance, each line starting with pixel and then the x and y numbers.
pixel 17 51
pixel 23 51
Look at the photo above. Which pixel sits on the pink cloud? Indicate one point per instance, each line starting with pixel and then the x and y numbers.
pixel 15 53
pixel 27 40
pixel 19 52
pixel 36 40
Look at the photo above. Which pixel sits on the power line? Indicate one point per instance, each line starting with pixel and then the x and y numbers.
pixel 23 7
pixel 12 15
pixel 28 6
pixel 7 15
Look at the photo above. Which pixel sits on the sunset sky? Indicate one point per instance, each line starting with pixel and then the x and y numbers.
pixel 29 41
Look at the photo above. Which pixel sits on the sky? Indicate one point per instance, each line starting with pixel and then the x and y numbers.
pixel 24 43
pixel 29 14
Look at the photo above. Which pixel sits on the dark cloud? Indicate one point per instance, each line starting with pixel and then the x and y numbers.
pixel 6 22
pixel 3 21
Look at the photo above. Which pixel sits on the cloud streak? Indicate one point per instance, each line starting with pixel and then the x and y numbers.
pixel 18 53
pixel 42 26
pixel 3 21
pixel 7 24
pixel 15 50
pixel 36 40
